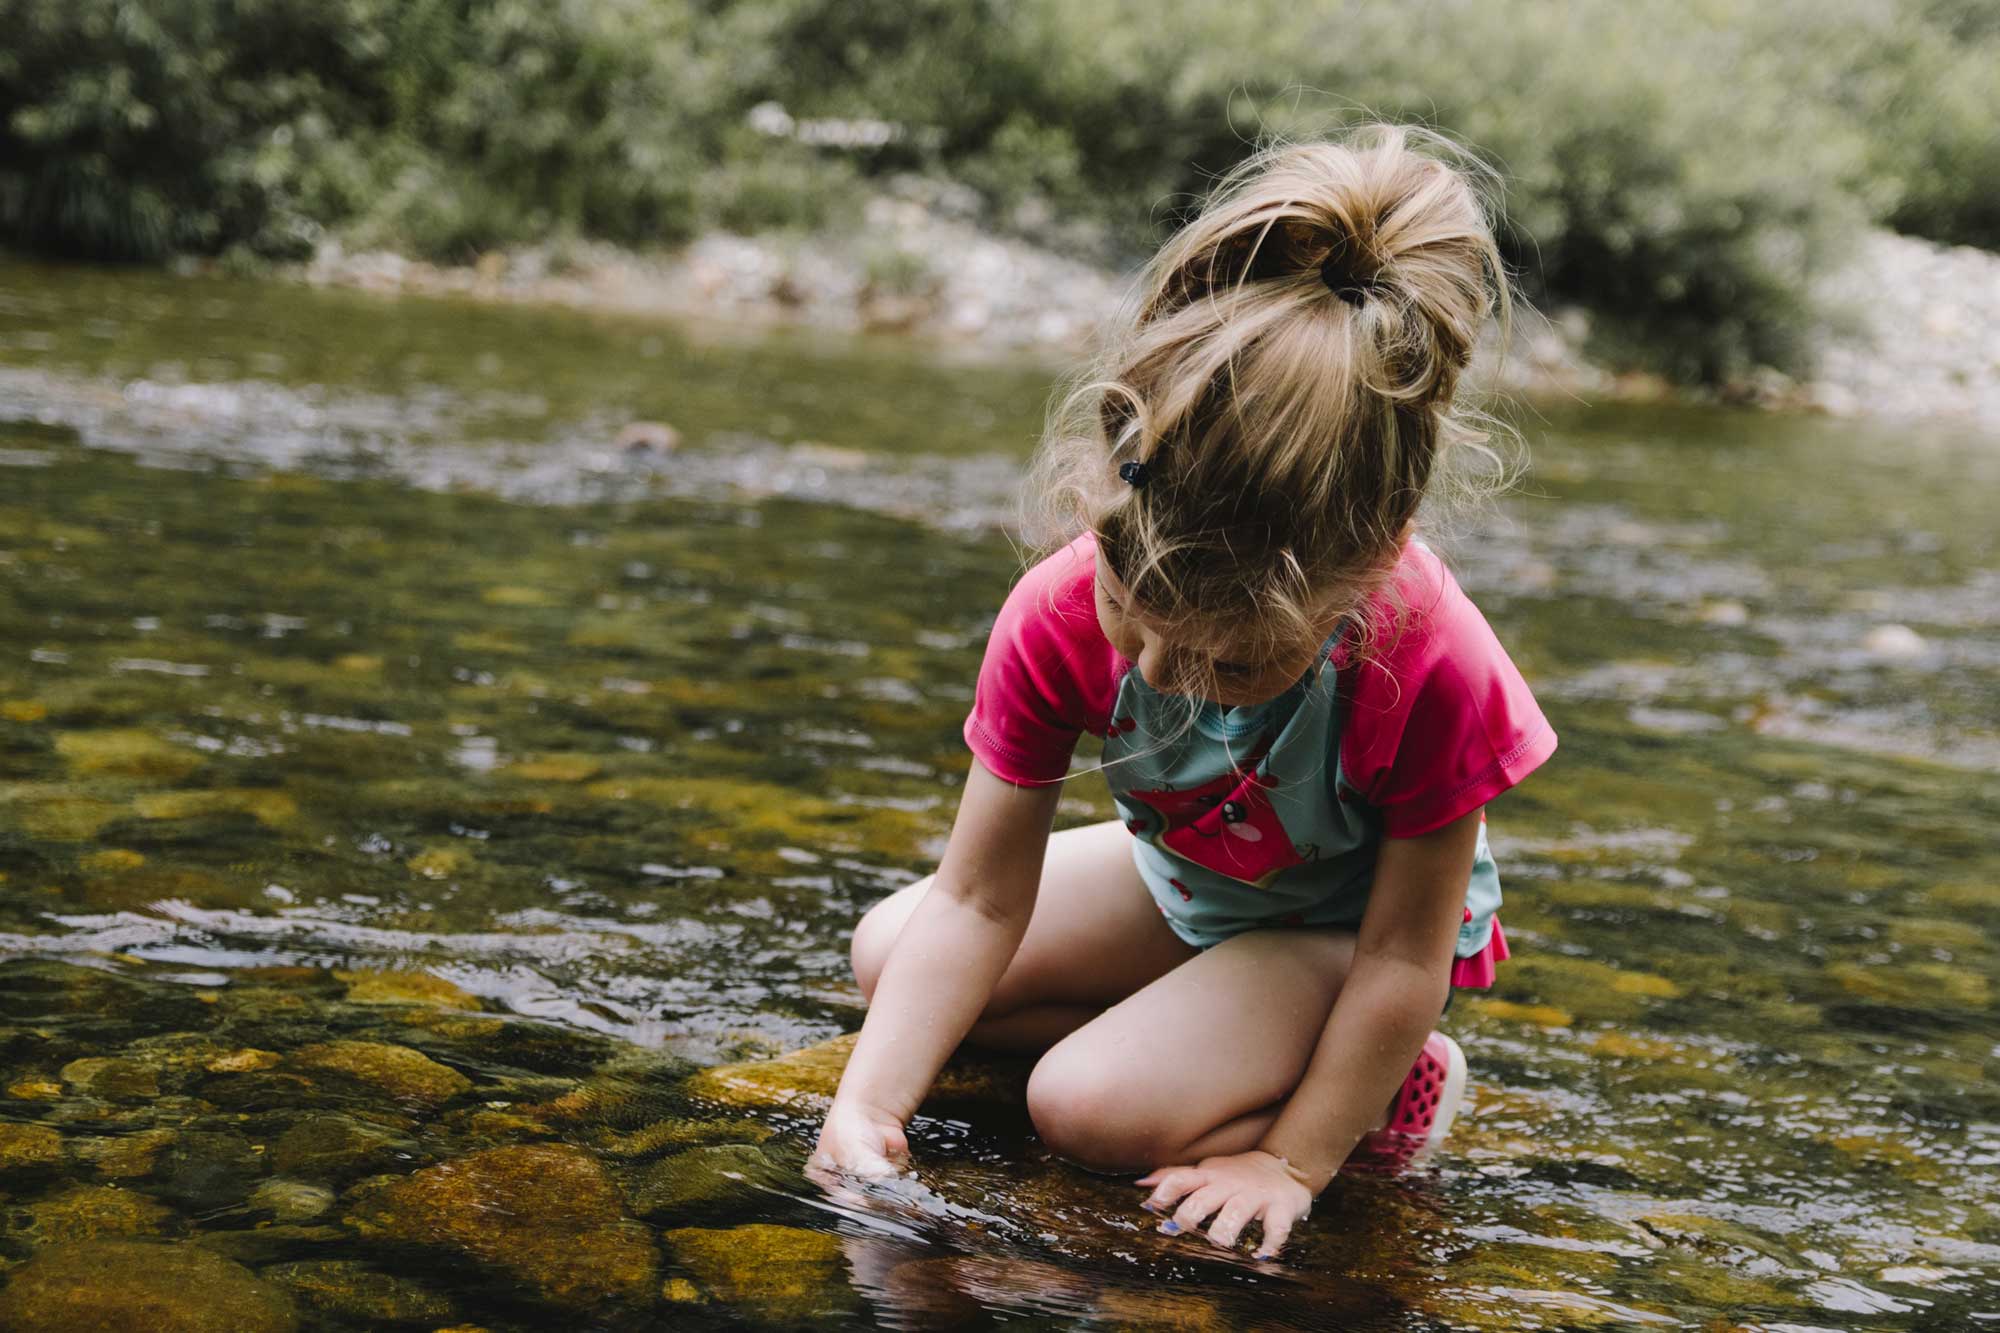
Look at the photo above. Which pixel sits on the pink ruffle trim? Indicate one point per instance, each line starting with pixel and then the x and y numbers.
pixel 1478 971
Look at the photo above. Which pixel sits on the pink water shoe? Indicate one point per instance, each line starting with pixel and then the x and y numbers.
pixel 1421 1114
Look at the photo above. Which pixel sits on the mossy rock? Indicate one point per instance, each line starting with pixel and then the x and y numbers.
pixel 783 1274
pixel 405 1074
pixel 806 1080
pixel 124 753
pixel 708 1178
pixel 207 1168
pixel 161 1287
pixel 334 1147
pixel 545 1215
pixel 128 1156
pixel 27 1150
pixel 390 987
pixel 111 1077
pixel 84 1212
pixel 354 1290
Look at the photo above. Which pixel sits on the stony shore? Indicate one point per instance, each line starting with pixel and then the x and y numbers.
pixel 1917 333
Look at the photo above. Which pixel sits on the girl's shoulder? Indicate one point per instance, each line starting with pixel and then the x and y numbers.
pixel 1440 719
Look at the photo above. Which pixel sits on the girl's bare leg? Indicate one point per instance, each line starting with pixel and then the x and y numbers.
pixel 1095 937
pixel 1199 1061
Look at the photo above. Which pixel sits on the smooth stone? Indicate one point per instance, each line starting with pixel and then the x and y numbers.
pixel 403 1073
pixel 546 1215
pixel 292 1200
pixel 276 1242
pixel 709 1177
pixel 128 1156
pixel 161 1287
pixel 349 1288
pixel 783 1274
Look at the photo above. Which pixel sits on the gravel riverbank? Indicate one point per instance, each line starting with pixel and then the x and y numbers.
pixel 1914 333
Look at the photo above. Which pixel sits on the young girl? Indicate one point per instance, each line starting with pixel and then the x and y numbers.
pixel 1303 718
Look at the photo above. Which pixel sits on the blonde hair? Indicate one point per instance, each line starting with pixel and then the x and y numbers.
pixel 1287 377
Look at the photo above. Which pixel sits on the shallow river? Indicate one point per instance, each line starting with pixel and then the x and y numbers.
pixel 423 816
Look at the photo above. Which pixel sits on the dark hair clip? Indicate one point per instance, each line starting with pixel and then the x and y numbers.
pixel 1341 284
pixel 1134 472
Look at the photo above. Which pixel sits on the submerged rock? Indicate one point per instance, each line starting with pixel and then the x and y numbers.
pixel 405 1074
pixel 545 1215
pixel 28 1149
pixel 346 1287
pixel 706 1177
pixel 389 987
pixel 783 1274
pixel 83 1212
pixel 161 1287
pixel 807 1078
pixel 112 1078
pixel 291 1200
pixel 207 1168
pixel 333 1147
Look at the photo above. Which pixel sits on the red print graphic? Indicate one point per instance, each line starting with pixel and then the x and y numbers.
pixel 1226 825
pixel 1187 894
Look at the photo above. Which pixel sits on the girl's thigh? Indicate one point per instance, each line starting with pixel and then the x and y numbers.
pixel 1228 1033
pixel 1094 938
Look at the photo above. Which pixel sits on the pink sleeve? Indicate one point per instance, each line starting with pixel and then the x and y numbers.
pixel 1441 722
pixel 1049 674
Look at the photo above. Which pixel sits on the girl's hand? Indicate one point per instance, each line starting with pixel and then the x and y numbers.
pixel 858 1141
pixel 1235 1191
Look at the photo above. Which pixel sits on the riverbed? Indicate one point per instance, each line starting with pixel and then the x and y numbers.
pixel 443 749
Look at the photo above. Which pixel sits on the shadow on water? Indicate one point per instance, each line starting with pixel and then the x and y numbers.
pixel 405 890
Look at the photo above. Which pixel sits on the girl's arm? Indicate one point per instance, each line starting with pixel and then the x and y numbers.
pixel 1388 1004
pixel 1386 1007
pixel 941 970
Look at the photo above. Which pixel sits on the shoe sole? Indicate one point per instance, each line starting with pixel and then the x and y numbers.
pixel 1449 1100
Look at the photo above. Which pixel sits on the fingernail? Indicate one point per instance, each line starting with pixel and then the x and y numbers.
pixel 1170 1227
pixel 1263 1254
pixel 1150 1206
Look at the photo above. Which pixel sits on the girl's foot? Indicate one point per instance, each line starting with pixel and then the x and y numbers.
pixel 1421 1114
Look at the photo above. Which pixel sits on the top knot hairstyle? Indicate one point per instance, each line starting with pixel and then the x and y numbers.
pixel 1285 379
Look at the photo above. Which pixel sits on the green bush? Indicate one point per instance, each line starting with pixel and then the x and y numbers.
pixel 1683 170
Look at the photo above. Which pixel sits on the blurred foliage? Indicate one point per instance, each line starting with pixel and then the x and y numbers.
pixel 1680 168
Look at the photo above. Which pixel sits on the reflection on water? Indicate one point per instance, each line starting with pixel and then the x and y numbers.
pixel 383 855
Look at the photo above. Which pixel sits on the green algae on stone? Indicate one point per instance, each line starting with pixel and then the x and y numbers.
pixel 334 1147
pixel 808 1078
pixel 111 1077
pixel 545 1215
pixel 161 1287
pixel 390 987
pixel 82 1212
pixel 207 1168
pixel 28 1149
pixel 657 1137
pixel 713 1179
pixel 351 1289
pixel 405 1074
pixel 770 1272
pixel 126 754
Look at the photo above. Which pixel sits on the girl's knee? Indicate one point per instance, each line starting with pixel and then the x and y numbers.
pixel 1085 1116
pixel 875 934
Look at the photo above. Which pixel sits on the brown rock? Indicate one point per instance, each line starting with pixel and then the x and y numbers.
pixel 783 1274
pixel 545 1215
pixel 404 1074
pixel 160 1287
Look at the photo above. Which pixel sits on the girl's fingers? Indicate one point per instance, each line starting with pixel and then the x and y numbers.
pixel 1174 1182
pixel 1196 1208
pixel 1278 1221
pixel 1229 1223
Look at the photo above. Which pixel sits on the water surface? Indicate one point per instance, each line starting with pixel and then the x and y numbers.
pixel 360 692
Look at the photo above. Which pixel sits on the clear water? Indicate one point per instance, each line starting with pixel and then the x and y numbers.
pixel 339 635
